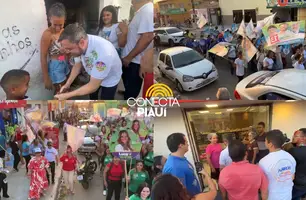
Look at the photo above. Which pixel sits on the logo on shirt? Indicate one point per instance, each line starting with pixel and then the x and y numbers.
pixel 89 62
pixel 100 66
pixel 94 54
pixel 282 171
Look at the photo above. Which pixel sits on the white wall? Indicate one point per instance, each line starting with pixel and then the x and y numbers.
pixel 227 6
pixel 124 11
pixel 289 117
pixel 163 127
pixel 22 24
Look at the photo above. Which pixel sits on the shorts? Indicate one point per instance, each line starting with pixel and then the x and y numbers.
pixel 58 71
pixel 2 154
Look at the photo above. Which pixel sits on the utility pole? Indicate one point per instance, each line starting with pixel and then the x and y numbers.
pixel 193 12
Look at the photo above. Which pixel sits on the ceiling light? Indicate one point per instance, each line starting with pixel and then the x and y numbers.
pixel 218 113
pixel 212 106
pixel 229 110
pixel 290 101
pixel 204 111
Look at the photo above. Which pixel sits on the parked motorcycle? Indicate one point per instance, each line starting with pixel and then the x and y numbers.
pixel 86 171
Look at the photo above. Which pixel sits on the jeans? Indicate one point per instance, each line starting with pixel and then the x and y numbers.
pixel 16 160
pixel 52 167
pixel 27 159
pixel 131 80
pixel 114 186
pixel 297 194
pixel 240 78
pixel 3 185
pixel 58 71
pixel 104 93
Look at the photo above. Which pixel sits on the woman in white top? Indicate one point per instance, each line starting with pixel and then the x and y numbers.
pixel 124 142
pixel 110 29
pixel 268 61
pixel 260 56
pixel 299 63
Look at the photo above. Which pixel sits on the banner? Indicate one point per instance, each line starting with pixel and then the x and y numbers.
pixel 75 137
pixel 30 134
pixel 265 22
pixel 241 30
pixel 202 21
pixel 249 30
pixel 284 33
pixel 7 104
pixel 220 49
pixel 248 49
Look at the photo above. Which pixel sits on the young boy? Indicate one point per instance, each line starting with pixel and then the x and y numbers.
pixel 15 84
pixel 239 64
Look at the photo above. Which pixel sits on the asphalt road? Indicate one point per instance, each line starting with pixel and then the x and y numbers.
pixel 208 92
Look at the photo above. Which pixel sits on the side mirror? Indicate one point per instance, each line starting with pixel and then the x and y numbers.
pixel 169 68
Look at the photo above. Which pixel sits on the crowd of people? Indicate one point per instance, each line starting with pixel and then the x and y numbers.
pixel 116 52
pixel 263 165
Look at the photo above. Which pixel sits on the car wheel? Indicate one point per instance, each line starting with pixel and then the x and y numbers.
pixel 171 43
pixel 179 87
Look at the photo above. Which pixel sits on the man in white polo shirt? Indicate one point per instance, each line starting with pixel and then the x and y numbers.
pixel 51 155
pixel 139 39
pixel 225 159
pixel 100 60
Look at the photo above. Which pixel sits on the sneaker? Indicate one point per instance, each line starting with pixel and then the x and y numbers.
pixel 104 192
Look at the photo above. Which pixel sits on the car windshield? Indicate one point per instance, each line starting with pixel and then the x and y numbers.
pixel 173 30
pixel 263 79
pixel 186 58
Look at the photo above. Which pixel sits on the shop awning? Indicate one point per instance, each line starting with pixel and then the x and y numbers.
pixel 13 104
pixel 286 4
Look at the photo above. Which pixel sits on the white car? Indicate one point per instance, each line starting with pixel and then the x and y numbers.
pixel 170 35
pixel 187 68
pixel 287 84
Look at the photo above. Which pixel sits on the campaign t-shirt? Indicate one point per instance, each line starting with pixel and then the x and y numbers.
pixel 268 63
pixel 239 67
pixel 182 169
pixel 136 197
pixel 25 148
pixel 69 163
pixel 299 154
pixel 101 61
pixel 149 159
pixel 142 22
pixel 50 154
pixel 214 150
pixel 279 168
pixel 136 179
pixel 108 159
pixel 225 158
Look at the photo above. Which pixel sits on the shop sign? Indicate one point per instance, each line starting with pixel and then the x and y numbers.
pixel 286 3
pixel 173 11
pixel 7 104
pixel 159 98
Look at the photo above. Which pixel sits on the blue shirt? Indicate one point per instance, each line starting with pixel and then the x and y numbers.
pixel 25 148
pixel 2 142
pixel 182 169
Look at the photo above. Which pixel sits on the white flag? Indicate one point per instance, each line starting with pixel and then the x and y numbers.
pixel 202 21
pixel 250 30
pixel 75 137
pixel 265 22
pixel 241 30
pixel 30 134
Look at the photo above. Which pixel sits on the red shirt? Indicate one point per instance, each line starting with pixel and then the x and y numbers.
pixel 115 172
pixel 148 81
pixel 69 163
pixel 242 180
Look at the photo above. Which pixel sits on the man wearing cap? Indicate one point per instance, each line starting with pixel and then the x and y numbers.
pixel 51 155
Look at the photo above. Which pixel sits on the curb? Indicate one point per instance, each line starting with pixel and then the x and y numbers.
pixel 58 177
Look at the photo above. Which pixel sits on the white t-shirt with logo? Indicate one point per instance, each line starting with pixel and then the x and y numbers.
pixel 239 67
pixel 143 22
pixel 111 34
pixel 268 62
pixel 225 158
pixel 50 154
pixel 101 61
pixel 279 168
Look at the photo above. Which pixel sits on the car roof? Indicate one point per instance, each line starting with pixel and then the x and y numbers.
pixel 293 80
pixel 176 50
pixel 164 28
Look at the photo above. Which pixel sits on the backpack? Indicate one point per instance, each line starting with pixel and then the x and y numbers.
pixel 110 168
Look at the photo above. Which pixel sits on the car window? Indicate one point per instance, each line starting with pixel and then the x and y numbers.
pixel 186 58
pixel 162 57
pixel 168 61
pixel 173 30
pixel 161 32
pixel 274 96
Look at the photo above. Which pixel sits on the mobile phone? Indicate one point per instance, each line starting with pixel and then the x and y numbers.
pixel 199 166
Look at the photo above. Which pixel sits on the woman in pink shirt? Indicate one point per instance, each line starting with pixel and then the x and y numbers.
pixel 213 151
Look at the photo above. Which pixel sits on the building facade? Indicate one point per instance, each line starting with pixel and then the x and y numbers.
pixel 290 10
pixel 234 11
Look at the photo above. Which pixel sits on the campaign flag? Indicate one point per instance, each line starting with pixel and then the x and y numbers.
pixel 284 33
pixel 75 137
pixel 34 114
pixel 220 49
pixel 30 134
pixel 249 30
pixel 234 28
pixel 248 49
pixel 241 30
pixel 202 21
pixel 265 22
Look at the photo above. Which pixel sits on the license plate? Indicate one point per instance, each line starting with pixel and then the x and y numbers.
pixel 80 177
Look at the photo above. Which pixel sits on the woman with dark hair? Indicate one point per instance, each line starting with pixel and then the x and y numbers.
pixel 142 193
pixel 111 30
pixel 137 176
pixel 124 142
pixel 167 187
pixel 25 145
pixel 136 129
pixel 107 159
pixel 56 69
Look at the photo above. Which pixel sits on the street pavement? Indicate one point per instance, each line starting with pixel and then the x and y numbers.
pixel 207 92
pixel 19 183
